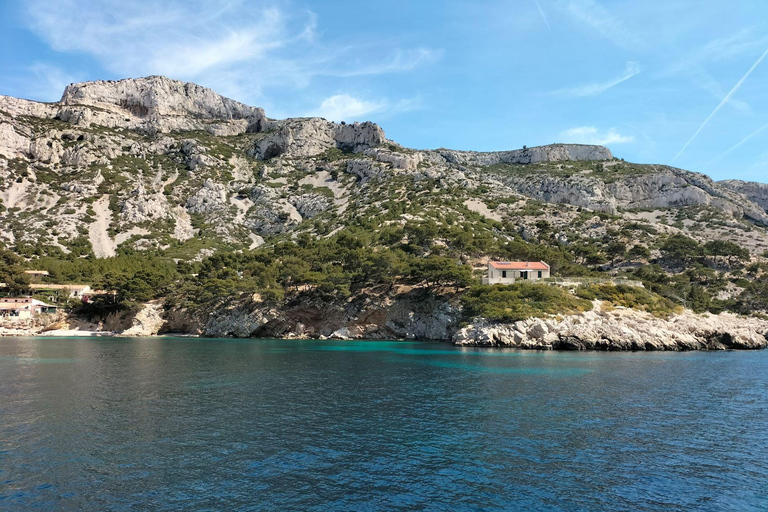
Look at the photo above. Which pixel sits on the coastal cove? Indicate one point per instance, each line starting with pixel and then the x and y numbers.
pixel 163 423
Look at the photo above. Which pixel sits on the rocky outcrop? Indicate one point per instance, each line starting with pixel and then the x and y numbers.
pixel 142 206
pixel 159 104
pixel 240 322
pixel 310 205
pixel 549 153
pixel 654 187
pixel 154 104
pixel 306 137
pixel 210 198
pixel 756 192
pixel 12 144
pixel 147 322
pixel 397 159
pixel 621 329
pixel 365 169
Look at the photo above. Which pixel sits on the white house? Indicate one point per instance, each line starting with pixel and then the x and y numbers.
pixel 23 307
pixel 74 291
pixel 507 272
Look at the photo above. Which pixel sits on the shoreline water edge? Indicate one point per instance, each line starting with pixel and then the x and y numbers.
pixel 620 329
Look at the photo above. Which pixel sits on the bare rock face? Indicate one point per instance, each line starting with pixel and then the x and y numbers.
pixel 310 205
pixel 756 192
pixel 549 153
pixel 210 198
pixel 358 137
pixel 660 187
pixel 12 144
pixel 622 329
pixel 398 160
pixel 306 137
pixel 420 317
pixel 147 322
pixel 239 322
pixel 159 104
pixel 365 169
pixel 142 206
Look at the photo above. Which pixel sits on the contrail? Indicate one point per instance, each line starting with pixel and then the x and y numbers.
pixel 544 16
pixel 725 100
pixel 745 139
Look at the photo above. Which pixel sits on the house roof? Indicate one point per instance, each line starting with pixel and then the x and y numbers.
pixel 46 286
pixel 16 300
pixel 7 303
pixel 519 265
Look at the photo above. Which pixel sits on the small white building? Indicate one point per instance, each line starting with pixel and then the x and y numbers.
pixel 23 307
pixel 507 272
pixel 73 291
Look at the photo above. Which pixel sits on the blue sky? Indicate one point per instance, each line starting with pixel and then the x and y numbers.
pixel 677 82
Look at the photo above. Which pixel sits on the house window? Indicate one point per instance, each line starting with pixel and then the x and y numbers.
pixel 503 273
pixel 539 274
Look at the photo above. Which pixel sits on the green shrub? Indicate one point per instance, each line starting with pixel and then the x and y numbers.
pixel 629 297
pixel 520 301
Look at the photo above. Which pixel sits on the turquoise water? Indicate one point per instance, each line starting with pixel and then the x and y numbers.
pixel 103 424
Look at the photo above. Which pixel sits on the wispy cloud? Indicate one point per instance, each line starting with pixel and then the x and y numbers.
pixel 592 135
pixel 344 107
pixel 543 16
pixel 739 144
pixel 240 46
pixel 694 66
pixel 48 82
pixel 400 61
pixel 593 15
pixel 723 102
pixel 594 89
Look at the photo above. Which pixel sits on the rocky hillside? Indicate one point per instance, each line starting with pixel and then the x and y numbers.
pixel 154 162
pixel 156 175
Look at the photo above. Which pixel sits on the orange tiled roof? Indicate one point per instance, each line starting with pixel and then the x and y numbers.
pixel 519 265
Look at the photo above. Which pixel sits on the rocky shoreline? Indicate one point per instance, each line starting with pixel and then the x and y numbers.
pixel 601 329
pixel 621 330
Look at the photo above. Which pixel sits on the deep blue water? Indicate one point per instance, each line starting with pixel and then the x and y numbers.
pixel 104 424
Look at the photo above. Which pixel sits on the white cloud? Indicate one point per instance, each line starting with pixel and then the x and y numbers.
pixel 591 135
pixel 594 89
pixel 342 107
pixel 237 46
pixel 48 82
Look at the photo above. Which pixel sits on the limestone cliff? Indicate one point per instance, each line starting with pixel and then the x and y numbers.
pixel 622 329
pixel 756 192
pixel 155 163
pixel 549 153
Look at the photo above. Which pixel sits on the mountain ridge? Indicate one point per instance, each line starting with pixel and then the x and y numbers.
pixel 214 157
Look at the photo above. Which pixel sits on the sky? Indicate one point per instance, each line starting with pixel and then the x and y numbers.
pixel 677 82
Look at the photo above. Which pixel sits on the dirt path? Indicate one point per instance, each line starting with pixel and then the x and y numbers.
pixel 183 229
pixel 103 245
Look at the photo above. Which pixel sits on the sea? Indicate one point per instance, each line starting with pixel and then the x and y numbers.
pixel 172 424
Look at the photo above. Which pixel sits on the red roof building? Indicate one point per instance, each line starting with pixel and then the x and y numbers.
pixel 508 272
